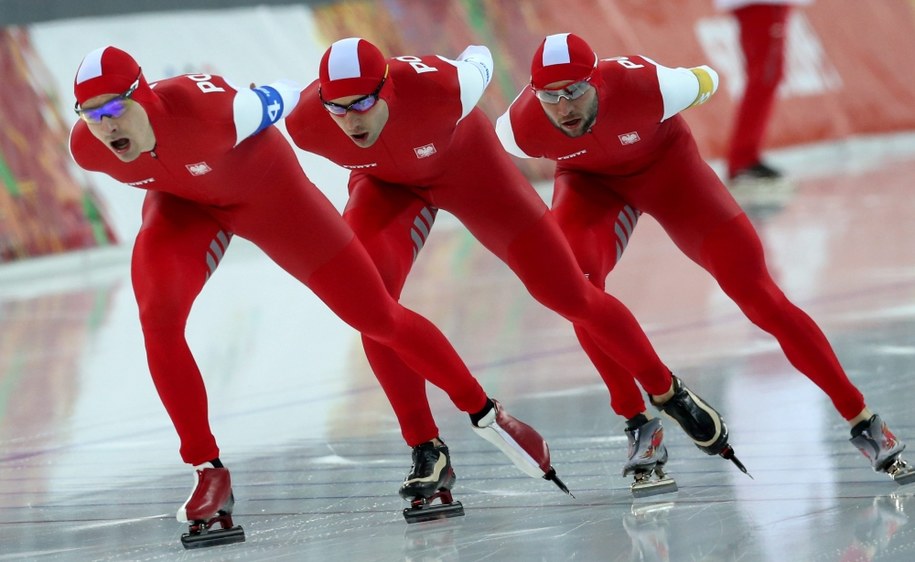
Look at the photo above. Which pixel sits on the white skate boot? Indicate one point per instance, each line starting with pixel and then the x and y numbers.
pixel 211 502
pixel 647 456
pixel 519 442
pixel 883 450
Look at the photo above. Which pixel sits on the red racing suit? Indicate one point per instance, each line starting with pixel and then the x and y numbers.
pixel 438 151
pixel 640 153
pixel 219 168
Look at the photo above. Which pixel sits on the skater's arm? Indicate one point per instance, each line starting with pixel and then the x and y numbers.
pixel 682 88
pixel 257 108
pixel 474 66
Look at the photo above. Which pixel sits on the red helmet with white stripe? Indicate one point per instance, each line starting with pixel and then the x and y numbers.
pixel 351 67
pixel 109 70
pixel 562 57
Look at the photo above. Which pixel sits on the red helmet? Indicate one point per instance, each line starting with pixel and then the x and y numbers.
pixel 561 57
pixel 351 67
pixel 109 70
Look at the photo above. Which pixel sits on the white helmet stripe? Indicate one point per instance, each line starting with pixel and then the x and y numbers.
pixel 91 67
pixel 556 49
pixel 343 61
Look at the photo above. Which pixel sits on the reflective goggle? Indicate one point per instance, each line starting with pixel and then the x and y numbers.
pixel 570 92
pixel 113 108
pixel 360 105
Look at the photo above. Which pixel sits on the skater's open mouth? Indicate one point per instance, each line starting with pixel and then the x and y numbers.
pixel 359 136
pixel 120 145
pixel 571 123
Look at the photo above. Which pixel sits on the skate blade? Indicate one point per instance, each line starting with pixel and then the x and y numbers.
pixel 551 476
pixel 648 488
pixel 728 453
pixel 213 538
pixel 433 512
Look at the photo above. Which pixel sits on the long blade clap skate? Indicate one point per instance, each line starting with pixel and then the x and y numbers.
pixel 883 449
pixel 210 503
pixel 430 478
pixel 519 442
pixel 702 423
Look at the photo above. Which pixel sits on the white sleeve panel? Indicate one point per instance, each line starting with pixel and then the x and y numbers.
pixel 507 136
pixel 679 89
pixel 474 67
pixel 258 108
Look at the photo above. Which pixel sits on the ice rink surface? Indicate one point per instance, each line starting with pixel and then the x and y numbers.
pixel 89 468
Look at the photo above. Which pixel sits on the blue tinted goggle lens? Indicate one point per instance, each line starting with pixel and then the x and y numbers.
pixel 570 92
pixel 112 108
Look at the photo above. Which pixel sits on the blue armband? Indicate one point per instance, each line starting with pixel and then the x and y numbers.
pixel 271 106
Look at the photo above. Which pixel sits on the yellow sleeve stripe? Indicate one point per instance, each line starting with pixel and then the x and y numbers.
pixel 706 85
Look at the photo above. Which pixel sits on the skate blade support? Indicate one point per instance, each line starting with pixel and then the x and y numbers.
pixel 902 472
pixel 647 487
pixel 421 509
pixel 644 485
pixel 201 535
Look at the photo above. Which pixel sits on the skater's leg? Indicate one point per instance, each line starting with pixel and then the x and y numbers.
pixel 176 250
pixel 598 226
pixel 393 225
pixel 705 222
pixel 507 216
pixel 303 233
pixel 733 254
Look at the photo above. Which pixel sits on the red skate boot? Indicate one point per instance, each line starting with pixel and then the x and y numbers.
pixel 211 502
pixel 518 441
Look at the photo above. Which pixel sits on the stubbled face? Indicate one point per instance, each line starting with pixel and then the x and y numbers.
pixel 126 136
pixel 573 117
pixel 362 128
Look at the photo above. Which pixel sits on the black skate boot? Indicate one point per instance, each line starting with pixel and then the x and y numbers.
pixel 700 421
pixel 518 441
pixel 430 477
pixel 211 502
pixel 876 442
pixel 647 456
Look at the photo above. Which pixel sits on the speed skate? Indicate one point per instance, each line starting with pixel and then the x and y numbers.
pixel 647 457
pixel 208 510
pixel 201 533
pixel 431 478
